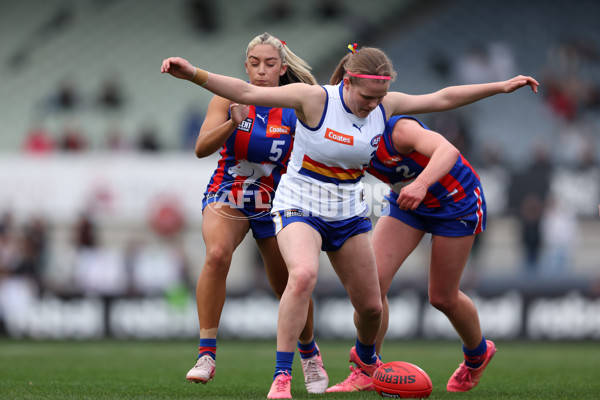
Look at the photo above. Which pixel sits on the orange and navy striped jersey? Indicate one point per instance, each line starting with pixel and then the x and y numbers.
pixel 254 157
pixel 399 170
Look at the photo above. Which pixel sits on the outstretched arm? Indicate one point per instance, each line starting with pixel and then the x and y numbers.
pixel 451 97
pixel 287 96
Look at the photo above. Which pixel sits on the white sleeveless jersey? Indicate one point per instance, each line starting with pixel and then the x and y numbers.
pixel 323 177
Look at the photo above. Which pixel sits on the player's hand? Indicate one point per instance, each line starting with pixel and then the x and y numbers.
pixel 239 112
pixel 178 67
pixel 411 196
pixel 519 81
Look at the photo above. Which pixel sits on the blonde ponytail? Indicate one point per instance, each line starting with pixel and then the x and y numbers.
pixel 297 69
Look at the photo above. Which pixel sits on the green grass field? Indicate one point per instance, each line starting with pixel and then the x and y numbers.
pixel 156 370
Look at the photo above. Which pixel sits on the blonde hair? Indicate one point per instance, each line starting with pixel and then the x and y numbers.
pixel 297 69
pixel 366 61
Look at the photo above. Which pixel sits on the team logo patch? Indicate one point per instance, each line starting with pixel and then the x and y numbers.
pixel 246 125
pixel 393 160
pixel 375 141
pixel 339 137
pixel 293 213
pixel 274 131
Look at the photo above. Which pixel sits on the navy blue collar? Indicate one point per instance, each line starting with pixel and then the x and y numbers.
pixel 342 98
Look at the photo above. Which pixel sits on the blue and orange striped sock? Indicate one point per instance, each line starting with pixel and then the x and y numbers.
pixel 283 363
pixel 208 347
pixel 308 350
pixel 474 358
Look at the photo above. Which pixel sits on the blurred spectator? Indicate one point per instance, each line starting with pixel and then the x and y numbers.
pixel 279 10
pixel 561 101
pixel 502 61
pixel 148 140
pixel 473 65
pixel 571 54
pixel 535 177
pixel 110 96
pixel 38 140
pixel 329 9
pixel 572 142
pixel 440 63
pixel 569 91
pixel 587 157
pixel 454 127
pixel 530 218
pixel 99 270
pixel 34 243
pixel 36 232
pixel 528 196
pixel 132 250
pixel 495 179
pixel 20 266
pixel 203 15
pixel 67 97
pixel 158 268
pixel 73 138
pixel 192 123
pixel 6 222
pixel 10 254
pixel 85 233
pixel 480 63
pixel 559 229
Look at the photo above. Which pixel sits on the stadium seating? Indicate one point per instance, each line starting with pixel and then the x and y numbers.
pixel 87 41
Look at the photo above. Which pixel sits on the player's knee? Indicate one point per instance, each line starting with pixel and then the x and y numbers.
pixel 371 310
pixel 302 282
pixel 217 258
pixel 441 302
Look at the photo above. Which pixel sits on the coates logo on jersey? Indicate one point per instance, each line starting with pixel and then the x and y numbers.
pixel 375 141
pixel 275 131
pixel 339 137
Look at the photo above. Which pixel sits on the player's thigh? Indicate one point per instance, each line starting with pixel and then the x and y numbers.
pixel 354 263
pixel 223 227
pixel 449 255
pixel 393 241
pixel 300 246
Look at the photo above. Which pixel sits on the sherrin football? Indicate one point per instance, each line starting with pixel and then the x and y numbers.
pixel 402 380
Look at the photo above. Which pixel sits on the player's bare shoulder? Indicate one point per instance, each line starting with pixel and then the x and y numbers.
pixel 313 100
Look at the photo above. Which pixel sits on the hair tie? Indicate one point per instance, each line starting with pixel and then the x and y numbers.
pixel 352 47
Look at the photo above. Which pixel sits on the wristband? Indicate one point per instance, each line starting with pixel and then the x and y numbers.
pixel 200 77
